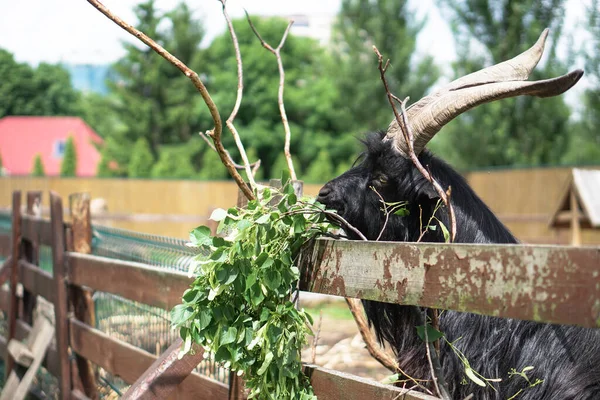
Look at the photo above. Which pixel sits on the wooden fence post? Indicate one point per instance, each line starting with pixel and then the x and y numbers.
pixel 60 299
pixel 31 253
pixel 81 299
pixel 14 275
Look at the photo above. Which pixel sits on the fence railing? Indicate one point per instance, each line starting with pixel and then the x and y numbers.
pixel 557 284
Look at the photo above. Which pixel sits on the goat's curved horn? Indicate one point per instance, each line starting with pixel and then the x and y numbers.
pixel 507 79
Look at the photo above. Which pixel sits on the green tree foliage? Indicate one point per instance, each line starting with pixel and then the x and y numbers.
pixel 45 90
pixel 585 145
pixel 212 168
pixel 253 157
pixel 281 165
pixel 114 158
pixel 68 166
pixel 519 131
pixel 309 94
pixel 140 165
pixel 174 162
pixel 1 166
pixel 393 28
pixel 321 170
pixel 153 99
pixel 38 167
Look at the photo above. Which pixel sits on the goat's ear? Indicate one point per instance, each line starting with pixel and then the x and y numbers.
pixel 427 192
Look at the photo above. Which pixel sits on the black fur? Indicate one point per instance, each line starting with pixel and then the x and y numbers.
pixel 566 358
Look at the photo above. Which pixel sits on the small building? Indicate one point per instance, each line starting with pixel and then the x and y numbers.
pixel 579 204
pixel 23 137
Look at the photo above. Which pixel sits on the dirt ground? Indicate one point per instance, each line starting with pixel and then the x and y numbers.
pixel 340 346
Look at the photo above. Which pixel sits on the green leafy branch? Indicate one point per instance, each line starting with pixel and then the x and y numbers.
pixel 238 308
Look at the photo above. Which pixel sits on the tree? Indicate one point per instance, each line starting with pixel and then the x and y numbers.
pixel 393 28
pixel 140 165
pixel 212 168
pixel 519 131
pixel 38 167
pixel 114 158
pixel 280 165
pixel 45 90
pixel 151 97
pixel 309 92
pixel 585 144
pixel 173 163
pixel 68 167
pixel 321 170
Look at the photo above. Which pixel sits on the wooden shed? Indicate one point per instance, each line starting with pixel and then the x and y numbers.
pixel 579 204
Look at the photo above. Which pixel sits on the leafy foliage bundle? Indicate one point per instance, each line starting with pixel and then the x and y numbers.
pixel 38 166
pixel 239 306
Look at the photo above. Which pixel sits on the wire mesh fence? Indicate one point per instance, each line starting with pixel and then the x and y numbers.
pixel 146 327
pixel 143 326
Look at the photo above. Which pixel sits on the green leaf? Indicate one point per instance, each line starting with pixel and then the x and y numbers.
pixel 201 236
pixel 228 335
pixel 445 232
pixel 218 215
pixel 203 320
pixel 181 313
pixel 432 333
pixel 266 363
pixel 402 212
pixel 471 374
pixel 432 227
pixel 263 220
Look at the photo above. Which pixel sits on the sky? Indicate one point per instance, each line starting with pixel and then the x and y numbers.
pixel 72 31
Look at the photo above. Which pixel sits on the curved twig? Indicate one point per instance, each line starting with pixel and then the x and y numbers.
pixel 238 100
pixel 286 126
pixel 215 134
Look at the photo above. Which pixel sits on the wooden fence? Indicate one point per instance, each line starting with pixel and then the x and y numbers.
pixel 543 283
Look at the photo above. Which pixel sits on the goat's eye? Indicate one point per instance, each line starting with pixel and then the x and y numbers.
pixel 382 179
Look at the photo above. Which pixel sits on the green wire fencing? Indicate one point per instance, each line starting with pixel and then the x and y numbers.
pixel 143 326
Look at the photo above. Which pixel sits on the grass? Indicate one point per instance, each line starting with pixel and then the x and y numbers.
pixel 335 310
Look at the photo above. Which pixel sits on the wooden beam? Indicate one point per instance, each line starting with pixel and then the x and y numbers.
pixel 36 228
pixel 14 275
pixel 5 249
pixel 161 378
pixel 129 362
pixel 558 284
pixel 31 253
pixel 161 288
pixel 575 220
pixel 5 270
pixel 36 280
pixel 60 296
pixel 81 299
pixel 333 385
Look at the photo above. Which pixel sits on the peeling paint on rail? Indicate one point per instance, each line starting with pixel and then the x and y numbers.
pixel 558 284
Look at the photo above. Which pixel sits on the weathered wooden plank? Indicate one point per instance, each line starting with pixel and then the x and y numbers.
pixel 5 249
pixel 36 280
pixel 558 284
pixel 129 362
pixel 165 374
pixel 161 288
pixel 5 270
pixel 50 361
pixel 36 228
pixel 333 385
pixel 60 296
pixel 81 299
pixel 31 253
pixel 14 274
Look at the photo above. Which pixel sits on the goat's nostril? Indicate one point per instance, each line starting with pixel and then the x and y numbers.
pixel 324 192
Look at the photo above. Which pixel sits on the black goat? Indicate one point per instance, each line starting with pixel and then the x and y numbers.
pixel 566 358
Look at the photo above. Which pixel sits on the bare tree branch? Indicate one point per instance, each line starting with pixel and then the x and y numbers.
pixel 432 350
pixel 254 165
pixel 215 134
pixel 238 100
pixel 408 136
pixel 286 125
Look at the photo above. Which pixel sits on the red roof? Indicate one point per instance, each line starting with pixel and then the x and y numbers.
pixel 21 138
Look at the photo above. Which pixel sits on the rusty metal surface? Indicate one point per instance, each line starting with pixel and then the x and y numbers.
pixel 557 284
